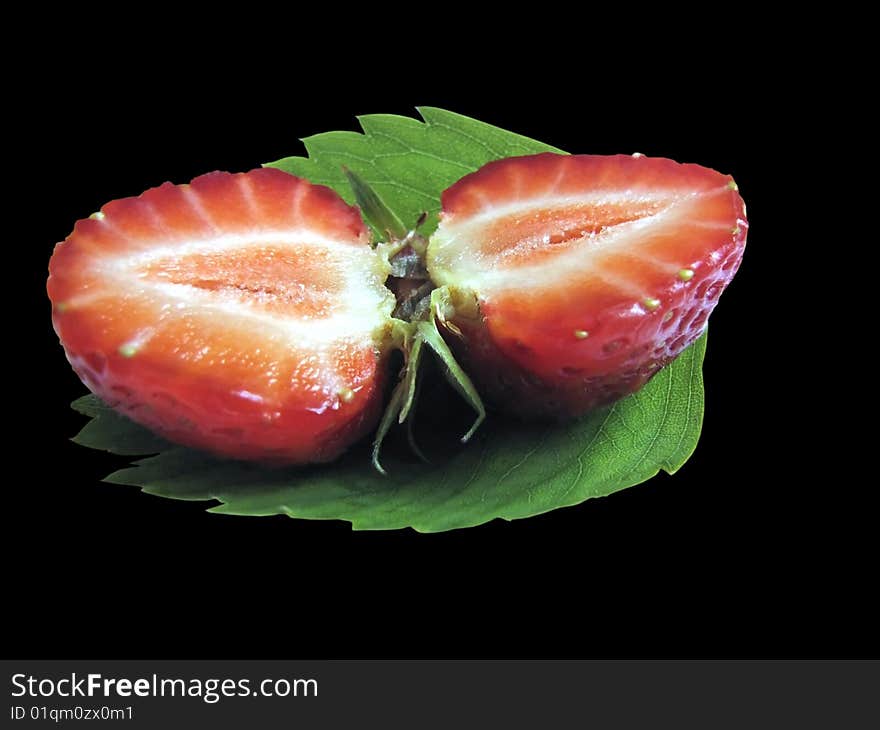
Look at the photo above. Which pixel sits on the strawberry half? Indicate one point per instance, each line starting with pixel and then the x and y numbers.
pixel 244 314
pixel 571 280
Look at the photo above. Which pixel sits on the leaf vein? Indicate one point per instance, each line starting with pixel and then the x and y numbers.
pixel 462 133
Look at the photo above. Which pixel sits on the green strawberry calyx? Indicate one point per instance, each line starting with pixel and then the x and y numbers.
pixel 420 305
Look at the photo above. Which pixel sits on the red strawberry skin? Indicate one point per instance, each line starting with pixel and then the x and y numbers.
pixel 574 279
pixel 243 314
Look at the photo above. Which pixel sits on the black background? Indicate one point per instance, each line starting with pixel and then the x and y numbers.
pixel 759 546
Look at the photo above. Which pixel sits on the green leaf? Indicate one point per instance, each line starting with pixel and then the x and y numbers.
pixel 373 208
pixel 408 163
pixel 111 431
pixel 509 469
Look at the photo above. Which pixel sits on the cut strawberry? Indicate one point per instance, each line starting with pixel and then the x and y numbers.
pixel 242 314
pixel 571 280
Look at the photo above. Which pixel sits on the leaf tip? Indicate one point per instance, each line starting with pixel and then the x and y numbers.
pixel 481 416
pixel 377 465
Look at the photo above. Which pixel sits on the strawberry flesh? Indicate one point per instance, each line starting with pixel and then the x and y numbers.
pixel 244 314
pixel 574 279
